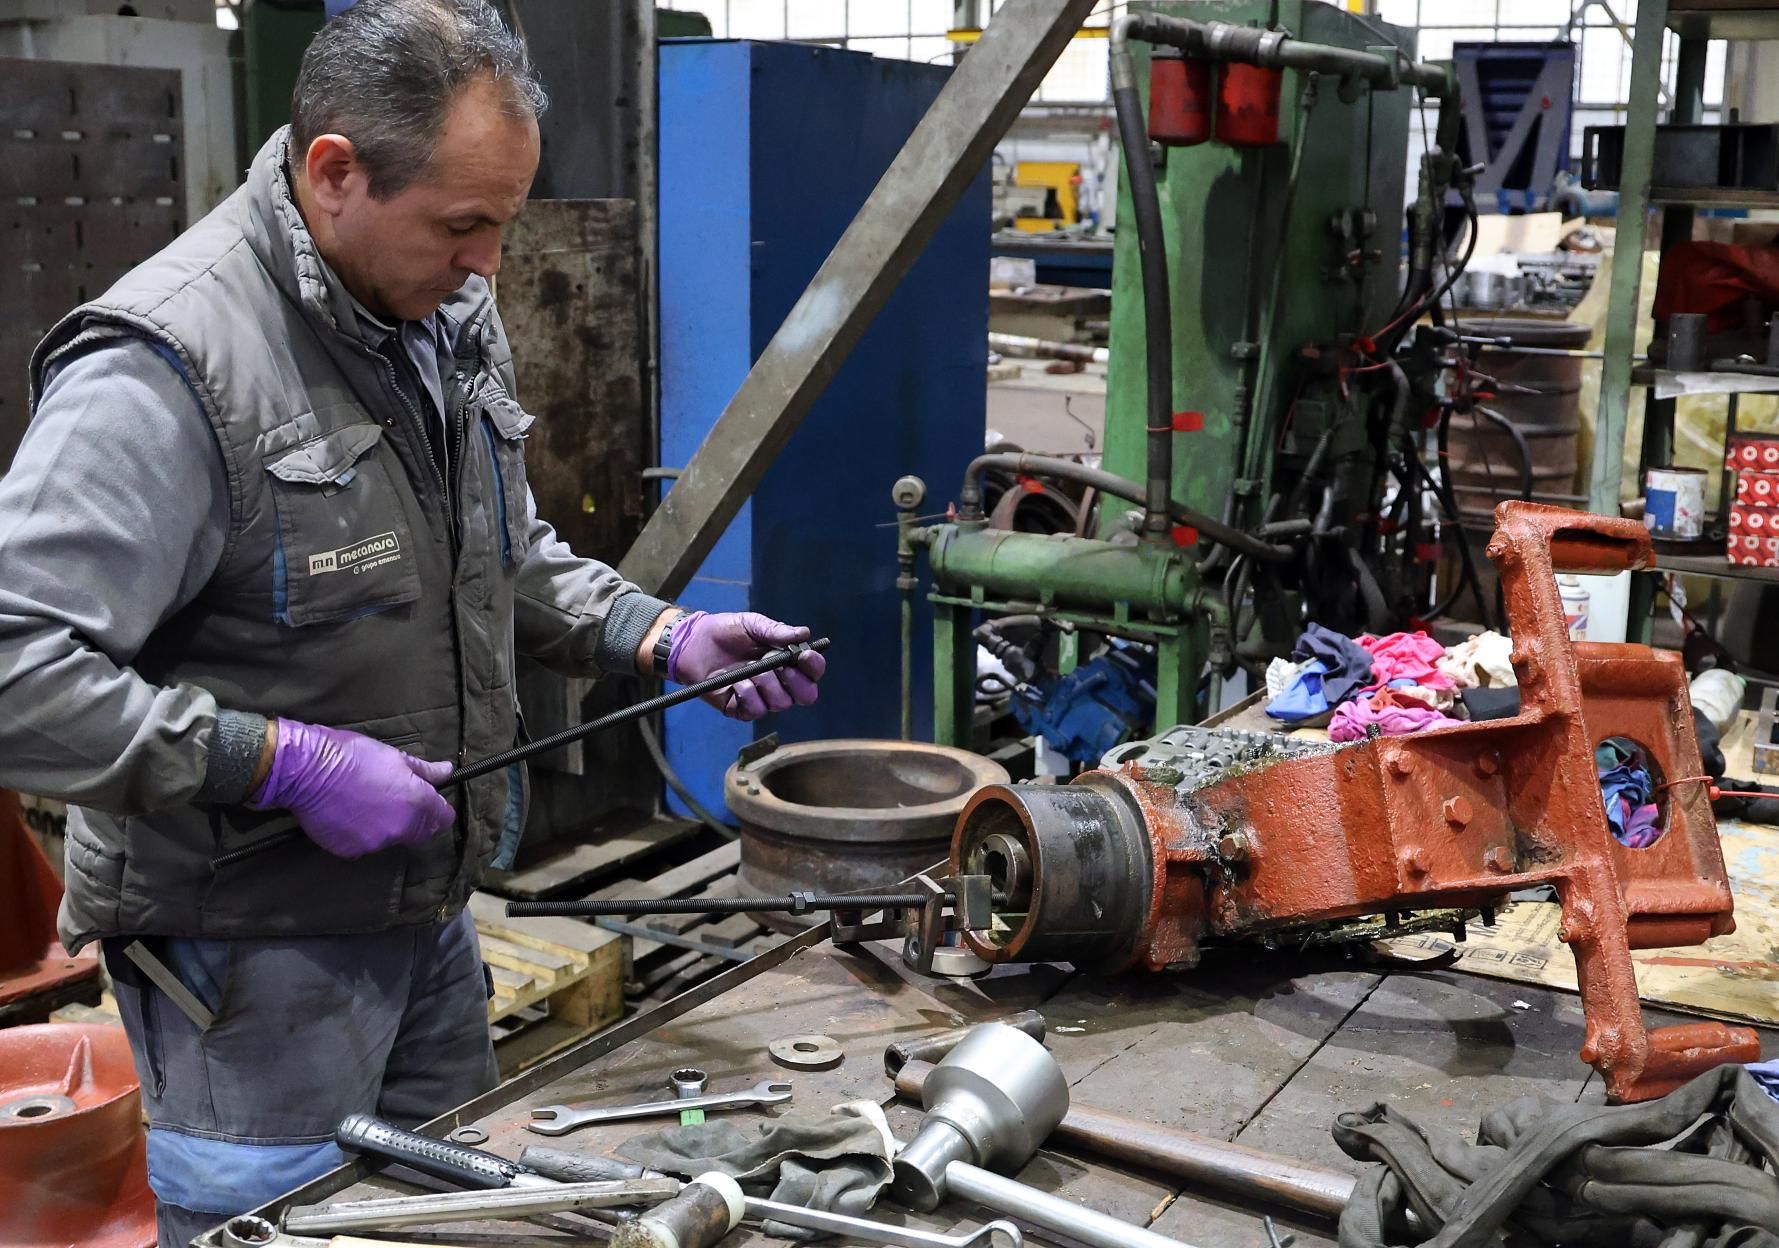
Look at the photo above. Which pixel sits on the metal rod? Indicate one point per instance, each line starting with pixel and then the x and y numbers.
pixel 1029 1204
pixel 522 1202
pixel 671 938
pixel 795 903
pixel 648 706
pixel 555 741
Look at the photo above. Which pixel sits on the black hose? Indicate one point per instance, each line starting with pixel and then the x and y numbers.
pixel 1519 442
pixel 1158 327
pixel 1448 501
pixel 1110 483
pixel 652 743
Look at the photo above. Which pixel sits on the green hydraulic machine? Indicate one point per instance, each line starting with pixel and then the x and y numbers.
pixel 1261 212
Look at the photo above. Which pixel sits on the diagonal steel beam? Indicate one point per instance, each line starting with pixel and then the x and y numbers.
pixel 922 185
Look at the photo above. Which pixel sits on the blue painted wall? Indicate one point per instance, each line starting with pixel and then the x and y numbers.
pixel 767 151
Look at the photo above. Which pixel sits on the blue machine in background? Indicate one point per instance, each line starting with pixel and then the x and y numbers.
pixel 767 150
pixel 1518 101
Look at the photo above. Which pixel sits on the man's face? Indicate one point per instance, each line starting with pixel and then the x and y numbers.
pixel 403 256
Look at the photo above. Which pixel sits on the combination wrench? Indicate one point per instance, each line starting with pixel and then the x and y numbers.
pixel 561 1119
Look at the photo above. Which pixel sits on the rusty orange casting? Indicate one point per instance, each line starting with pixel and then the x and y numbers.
pixel 1131 867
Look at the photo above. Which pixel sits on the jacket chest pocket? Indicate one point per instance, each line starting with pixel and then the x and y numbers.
pixel 503 425
pixel 345 548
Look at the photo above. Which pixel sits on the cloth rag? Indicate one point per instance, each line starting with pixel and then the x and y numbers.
pixel 836 1159
pixel 1480 662
pixel 1346 664
pixel 1629 793
pixel 1303 698
pixel 1407 656
pixel 1392 712
pixel 1279 675
pixel 1543 1172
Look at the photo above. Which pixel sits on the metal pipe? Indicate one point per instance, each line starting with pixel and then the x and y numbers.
pixel 1158 326
pixel 1054 1213
pixel 1047 349
pixel 1274 49
pixel 1110 483
pixel 1232 1168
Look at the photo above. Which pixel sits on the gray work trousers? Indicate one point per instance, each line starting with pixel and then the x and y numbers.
pixel 307 1030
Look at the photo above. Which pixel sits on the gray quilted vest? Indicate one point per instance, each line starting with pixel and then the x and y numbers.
pixel 357 588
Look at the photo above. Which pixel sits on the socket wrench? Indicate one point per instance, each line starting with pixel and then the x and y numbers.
pixel 997 1234
pixel 387 1213
pixel 560 1119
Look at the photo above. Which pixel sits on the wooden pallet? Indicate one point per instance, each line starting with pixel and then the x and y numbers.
pixel 556 981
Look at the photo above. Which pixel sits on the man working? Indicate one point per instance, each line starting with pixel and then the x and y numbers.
pixel 266 555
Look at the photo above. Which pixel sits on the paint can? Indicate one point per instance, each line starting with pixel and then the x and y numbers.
pixel 1674 503
pixel 1575 598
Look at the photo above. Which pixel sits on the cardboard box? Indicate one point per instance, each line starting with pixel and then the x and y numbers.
pixel 1754 534
pixel 1753 450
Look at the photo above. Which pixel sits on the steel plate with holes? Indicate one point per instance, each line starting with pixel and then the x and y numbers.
pixel 811 1052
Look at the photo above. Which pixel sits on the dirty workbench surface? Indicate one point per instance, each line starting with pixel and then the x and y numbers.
pixel 1261 1048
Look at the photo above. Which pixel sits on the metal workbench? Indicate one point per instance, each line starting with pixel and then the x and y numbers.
pixel 1263 1048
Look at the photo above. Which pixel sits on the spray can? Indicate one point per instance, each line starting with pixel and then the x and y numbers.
pixel 1575 606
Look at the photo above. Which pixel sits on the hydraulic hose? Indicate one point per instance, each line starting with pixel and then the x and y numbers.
pixel 1108 483
pixel 1158 324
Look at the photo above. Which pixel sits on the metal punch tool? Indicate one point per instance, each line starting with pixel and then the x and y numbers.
pixel 560 1119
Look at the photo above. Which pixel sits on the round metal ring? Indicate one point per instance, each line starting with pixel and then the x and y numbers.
pixel 958 962
pixel 689 1081
pixel 811 1052
pixel 31 1108
pixel 468 1135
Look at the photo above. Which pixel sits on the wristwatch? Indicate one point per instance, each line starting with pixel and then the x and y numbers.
pixel 664 647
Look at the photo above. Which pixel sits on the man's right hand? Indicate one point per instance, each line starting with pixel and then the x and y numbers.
pixel 351 794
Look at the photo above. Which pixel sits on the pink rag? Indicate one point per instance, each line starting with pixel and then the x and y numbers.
pixel 1405 656
pixel 1394 714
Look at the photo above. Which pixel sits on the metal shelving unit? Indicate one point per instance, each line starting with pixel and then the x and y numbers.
pixel 1696 23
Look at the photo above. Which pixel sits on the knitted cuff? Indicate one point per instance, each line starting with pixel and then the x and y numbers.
pixel 235 747
pixel 627 622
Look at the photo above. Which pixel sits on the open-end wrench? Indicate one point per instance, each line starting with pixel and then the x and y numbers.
pixel 560 1119
pixel 997 1234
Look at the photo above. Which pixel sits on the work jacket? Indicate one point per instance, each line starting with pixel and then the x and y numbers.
pixel 361 585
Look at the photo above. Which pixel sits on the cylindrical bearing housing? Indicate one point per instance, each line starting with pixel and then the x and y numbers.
pixel 1074 863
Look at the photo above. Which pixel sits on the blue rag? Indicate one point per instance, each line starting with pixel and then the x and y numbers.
pixel 1303 698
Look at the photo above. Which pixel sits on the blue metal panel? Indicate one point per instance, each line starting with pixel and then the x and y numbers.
pixel 767 152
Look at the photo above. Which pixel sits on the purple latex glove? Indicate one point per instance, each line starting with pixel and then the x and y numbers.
pixel 351 794
pixel 705 644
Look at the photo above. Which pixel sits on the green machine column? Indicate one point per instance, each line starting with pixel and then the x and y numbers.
pixel 1224 214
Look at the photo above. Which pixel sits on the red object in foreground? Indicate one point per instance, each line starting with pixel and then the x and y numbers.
pixel 36 973
pixel 73 1154
pixel 1455 818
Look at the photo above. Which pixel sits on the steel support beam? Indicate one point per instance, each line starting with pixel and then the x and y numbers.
pixel 924 182
pixel 1627 261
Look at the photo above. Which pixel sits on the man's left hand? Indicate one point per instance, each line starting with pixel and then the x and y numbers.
pixel 704 645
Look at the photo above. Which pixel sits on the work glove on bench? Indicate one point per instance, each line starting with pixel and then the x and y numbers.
pixel 705 644
pixel 351 794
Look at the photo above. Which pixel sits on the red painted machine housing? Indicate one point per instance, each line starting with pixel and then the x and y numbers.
pixel 1453 818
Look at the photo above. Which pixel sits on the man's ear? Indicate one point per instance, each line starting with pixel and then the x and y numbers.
pixel 330 167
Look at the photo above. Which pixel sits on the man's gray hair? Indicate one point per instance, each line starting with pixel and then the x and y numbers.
pixel 385 73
